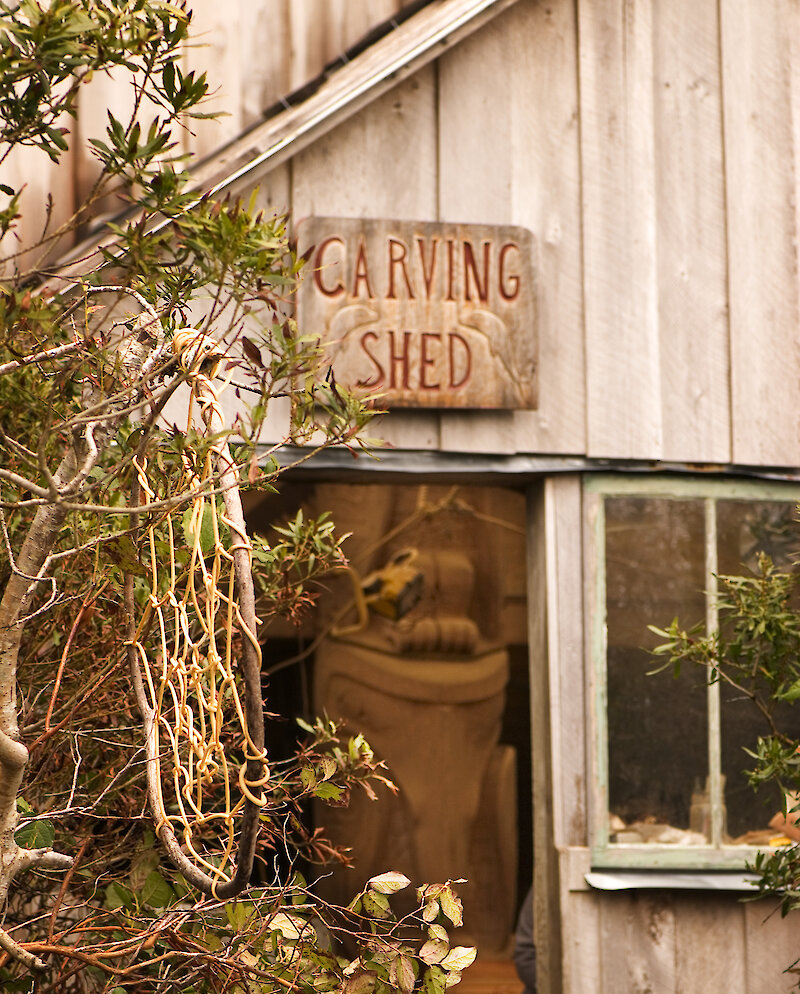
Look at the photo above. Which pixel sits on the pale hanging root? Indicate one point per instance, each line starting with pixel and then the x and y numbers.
pixel 182 694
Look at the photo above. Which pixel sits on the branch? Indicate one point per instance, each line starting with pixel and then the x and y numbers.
pixel 81 456
pixel 54 353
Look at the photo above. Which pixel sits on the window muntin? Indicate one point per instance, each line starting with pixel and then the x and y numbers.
pixel 668 753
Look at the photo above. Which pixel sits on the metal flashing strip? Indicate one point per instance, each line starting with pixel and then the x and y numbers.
pixel 431 462
pixel 655 880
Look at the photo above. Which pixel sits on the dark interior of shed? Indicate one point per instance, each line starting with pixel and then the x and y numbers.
pixel 456 663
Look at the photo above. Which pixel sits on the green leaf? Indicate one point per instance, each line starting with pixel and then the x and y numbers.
pixel 430 911
pixel 792 692
pixel 401 974
pixel 376 905
pixel 459 958
pixel 38 834
pixel 239 914
pixel 156 892
pixel 434 951
pixel 118 896
pixel 196 528
pixel 328 791
pixel 141 868
pixel 122 551
pixel 290 926
pixel 451 906
pixel 433 981
pixel 389 883
pixel 329 767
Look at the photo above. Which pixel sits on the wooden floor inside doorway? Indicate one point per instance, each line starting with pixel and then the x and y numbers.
pixel 490 977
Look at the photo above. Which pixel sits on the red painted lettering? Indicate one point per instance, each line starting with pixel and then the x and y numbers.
pixel 425 360
pixel 450 267
pixel 361 272
pixel 470 266
pixel 509 290
pixel 428 273
pixel 401 359
pixel 398 251
pixel 379 373
pixel 465 363
pixel 338 287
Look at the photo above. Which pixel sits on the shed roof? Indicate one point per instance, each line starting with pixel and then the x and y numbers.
pixel 385 56
pixel 345 88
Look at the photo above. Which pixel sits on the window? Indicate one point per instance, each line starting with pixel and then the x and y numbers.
pixel 668 759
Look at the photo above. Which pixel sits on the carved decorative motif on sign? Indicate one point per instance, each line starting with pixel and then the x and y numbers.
pixel 424 314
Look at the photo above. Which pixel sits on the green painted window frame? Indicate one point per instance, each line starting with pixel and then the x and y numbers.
pixel 597 488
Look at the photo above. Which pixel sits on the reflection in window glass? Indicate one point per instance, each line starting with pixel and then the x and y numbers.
pixel 745 528
pixel 657 726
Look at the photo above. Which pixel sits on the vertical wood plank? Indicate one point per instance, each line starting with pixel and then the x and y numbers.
pixel 546 889
pixel 760 98
pixel 770 948
pixel 380 163
pixel 619 224
pixel 406 429
pixel 564 578
pixel 308 27
pixel 692 251
pixel 265 43
pixel 32 172
pixel 710 948
pixel 568 775
pixel 477 431
pixel 508 151
pixel 273 190
pixel 216 48
pixel 261 50
pixel 594 681
pixel 106 93
pixel 583 951
pixel 638 943
pixel 321 30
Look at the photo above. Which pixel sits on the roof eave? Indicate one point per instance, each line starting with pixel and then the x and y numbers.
pixel 406 50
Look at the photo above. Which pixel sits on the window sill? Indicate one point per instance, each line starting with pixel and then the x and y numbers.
pixel 583 870
pixel 609 880
pixel 695 859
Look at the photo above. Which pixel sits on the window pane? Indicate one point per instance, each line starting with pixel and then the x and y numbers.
pixel 657 737
pixel 744 529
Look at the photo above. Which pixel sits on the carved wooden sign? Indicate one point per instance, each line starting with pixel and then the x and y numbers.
pixel 421 313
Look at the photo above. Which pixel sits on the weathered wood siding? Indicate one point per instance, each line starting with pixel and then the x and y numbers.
pixel 676 942
pixel 650 145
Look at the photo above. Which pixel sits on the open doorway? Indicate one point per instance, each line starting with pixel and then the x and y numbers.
pixel 437 682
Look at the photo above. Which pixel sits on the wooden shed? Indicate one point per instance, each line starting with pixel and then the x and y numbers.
pixel 561 237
